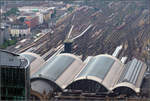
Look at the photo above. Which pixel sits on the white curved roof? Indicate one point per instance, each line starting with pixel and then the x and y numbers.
pixel 110 56
pixel 101 69
pixel 111 73
pixel 61 69
pixel 35 61
pixel 66 69
pixel 33 55
pixel 72 55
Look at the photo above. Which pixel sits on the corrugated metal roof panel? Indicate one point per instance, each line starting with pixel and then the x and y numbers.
pixel 124 72
pixel 131 71
pixel 134 71
pixel 137 73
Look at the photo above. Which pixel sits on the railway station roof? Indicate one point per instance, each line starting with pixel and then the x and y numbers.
pixel 132 75
pixel 101 69
pixel 107 71
pixel 110 73
pixel 35 61
pixel 60 69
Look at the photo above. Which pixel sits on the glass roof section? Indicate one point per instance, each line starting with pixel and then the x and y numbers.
pixel 55 67
pixel 98 66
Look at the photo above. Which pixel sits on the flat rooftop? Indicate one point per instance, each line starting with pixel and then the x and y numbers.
pixel 12 60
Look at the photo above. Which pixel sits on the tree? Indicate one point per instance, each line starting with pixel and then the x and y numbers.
pixel 53 15
pixel 67 1
pixel 22 19
pixel 70 9
pixel 14 11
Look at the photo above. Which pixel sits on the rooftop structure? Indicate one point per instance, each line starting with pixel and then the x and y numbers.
pixel 68 46
pixel 35 61
pixel 117 51
pixel 124 59
pixel 58 69
pixel 99 71
pixel 35 8
pixel 32 21
pixel 97 74
pixel 19 26
pixel 11 59
pixel 131 76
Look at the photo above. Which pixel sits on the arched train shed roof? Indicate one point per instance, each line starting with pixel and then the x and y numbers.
pixel 35 61
pixel 132 75
pixel 101 69
pixel 103 72
pixel 60 69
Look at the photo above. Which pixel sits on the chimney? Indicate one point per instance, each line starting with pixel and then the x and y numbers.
pixel 68 46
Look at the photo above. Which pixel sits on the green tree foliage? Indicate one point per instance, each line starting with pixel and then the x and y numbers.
pixel 70 9
pixel 67 1
pixel 22 19
pixel 14 11
pixel 8 43
pixel 54 14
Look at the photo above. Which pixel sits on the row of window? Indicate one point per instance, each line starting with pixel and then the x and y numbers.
pixel 14 77
pixel 11 91
pixel 13 98
pixel 11 74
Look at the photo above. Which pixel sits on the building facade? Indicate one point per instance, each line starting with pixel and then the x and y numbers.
pixel 19 30
pixel 1 36
pixel 14 77
pixel 41 17
pixel 35 8
pixel 47 15
pixel 4 34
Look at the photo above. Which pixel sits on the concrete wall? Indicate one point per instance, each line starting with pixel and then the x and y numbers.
pixel 1 36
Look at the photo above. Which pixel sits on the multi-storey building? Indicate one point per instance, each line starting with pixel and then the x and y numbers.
pixel 1 36
pixel 19 29
pixel 32 21
pixel 4 33
pixel 14 77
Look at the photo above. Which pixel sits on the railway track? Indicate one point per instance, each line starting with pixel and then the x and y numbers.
pixel 45 36
pixel 47 55
pixel 35 43
pixel 104 41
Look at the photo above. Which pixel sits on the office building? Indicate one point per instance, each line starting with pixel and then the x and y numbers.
pixel 14 77
pixel 19 30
